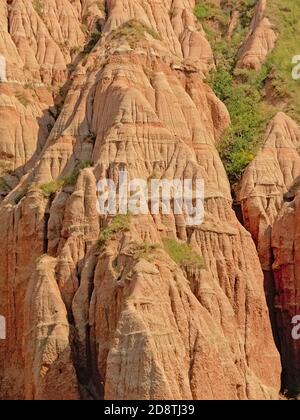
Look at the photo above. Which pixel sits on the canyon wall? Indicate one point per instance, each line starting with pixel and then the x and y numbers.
pixel 123 320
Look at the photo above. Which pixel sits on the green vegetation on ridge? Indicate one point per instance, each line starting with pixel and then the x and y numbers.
pixel 183 254
pixel 285 15
pixel 119 224
pixel 244 91
pixel 133 31
pixel 54 186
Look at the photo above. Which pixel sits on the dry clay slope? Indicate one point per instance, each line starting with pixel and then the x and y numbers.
pixel 269 197
pixel 123 320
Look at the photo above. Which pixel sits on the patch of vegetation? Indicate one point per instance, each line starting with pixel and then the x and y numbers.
pixel 145 251
pixel 95 36
pixel 133 31
pixel 206 10
pixel 183 254
pixel 38 7
pixel 54 186
pixel 241 91
pixel 286 19
pixel 243 96
pixel 51 187
pixel 246 10
pixel 5 167
pixel 120 223
pixel 3 183
pixel 247 93
pixel 71 179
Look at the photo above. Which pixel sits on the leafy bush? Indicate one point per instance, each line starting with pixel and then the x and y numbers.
pixel 243 98
pixel 246 10
pixel 120 223
pixel 209 10
pixel 221 82
pixel 202 11
pixel 51 187
pixel 183 254
pixel 243 90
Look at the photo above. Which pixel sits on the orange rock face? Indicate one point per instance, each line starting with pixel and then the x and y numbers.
pixel 260 40
pixel 123 320
pixel 285 245
pixel 270 208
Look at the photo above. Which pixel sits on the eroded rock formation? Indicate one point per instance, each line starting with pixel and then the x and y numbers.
pixel 269 205
pixel 259 42
pixel 123 320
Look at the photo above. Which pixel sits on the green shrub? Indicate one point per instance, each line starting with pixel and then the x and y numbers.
pixel 133 31
pixel 243 90
pixel 240 143
pixel 242 93
pixel 246 9
pixel 95 36
pixel 183 254
pixel 71 179
pixel 51 187
pixel 221 82
pixel 202 11
pixel 119 224
pixel 205 11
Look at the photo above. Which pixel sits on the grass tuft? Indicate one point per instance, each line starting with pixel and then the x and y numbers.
pixel 119 224
pixel 133 31
pixel 183 254
pixel 51 187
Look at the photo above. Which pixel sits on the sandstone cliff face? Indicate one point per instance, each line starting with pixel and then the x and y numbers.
pixel 285 244
pixel 120 321
pixel 269 205
pixel 259 42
